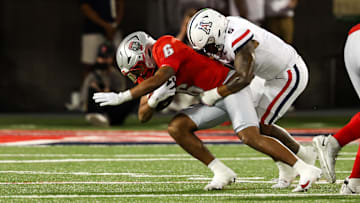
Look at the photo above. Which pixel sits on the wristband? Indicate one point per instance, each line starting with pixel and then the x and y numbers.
pixel 211 96
pixel 126 95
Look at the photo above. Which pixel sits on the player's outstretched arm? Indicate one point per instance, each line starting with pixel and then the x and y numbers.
pixel 147 86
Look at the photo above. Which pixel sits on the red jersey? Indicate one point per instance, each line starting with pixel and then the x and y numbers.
pixel 194 72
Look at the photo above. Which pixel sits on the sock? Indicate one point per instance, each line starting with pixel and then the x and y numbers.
pixel 286 172
pixel 356 168
pixel 217 166
pixel 300 166
pixel 302 153
pixel 349 132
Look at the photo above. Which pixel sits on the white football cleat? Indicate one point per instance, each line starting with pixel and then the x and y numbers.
pixel 307 177
pixel 221 179
pixel 350 186
pixel 286 175
pixel 328 149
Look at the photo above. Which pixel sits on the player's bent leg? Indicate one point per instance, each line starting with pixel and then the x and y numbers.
pixel 251 137
pixel 270 146
pixel 307 153
pixel 280 134
pixel 267 145
pixel 182 128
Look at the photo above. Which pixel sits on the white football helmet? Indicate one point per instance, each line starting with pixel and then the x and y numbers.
pixel 207 26
pixel 134 56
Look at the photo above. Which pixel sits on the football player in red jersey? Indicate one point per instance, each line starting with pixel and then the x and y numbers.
pixel 328 147
pixel 152 64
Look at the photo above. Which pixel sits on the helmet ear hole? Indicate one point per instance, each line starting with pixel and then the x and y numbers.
pixel 219 33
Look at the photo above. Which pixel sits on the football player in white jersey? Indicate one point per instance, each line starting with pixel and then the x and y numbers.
pixel 254 51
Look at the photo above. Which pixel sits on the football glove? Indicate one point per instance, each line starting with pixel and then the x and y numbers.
pixel 165 91
pixel 111 98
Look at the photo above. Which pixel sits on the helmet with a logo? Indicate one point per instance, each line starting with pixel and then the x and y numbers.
pixel 207 27
pixel 134 56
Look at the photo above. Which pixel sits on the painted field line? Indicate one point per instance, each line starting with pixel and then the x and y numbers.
pixel 145 160
pixel 98 155
pixel 102 183
pixel 175 195
pixel 203 181
pixel 136 175
pixel 130 155
pixel 249 180
pixel 119 160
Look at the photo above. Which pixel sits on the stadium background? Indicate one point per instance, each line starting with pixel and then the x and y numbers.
pixel 40 51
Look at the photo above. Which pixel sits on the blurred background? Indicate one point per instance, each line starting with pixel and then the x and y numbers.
pixel 41 46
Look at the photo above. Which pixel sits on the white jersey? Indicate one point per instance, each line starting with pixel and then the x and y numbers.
pixel 351 57
pixel 272 56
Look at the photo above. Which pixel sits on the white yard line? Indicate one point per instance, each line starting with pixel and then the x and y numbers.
pixel 138 159
pixel 195 178
pixel 147 182
pixel 120 159
pixel 94 155
pixel 136 175
pixel 101 183
pixel 106 155
pixel 171 195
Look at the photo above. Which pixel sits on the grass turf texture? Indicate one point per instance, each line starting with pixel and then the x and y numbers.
pixel 162 174
pixel 175 178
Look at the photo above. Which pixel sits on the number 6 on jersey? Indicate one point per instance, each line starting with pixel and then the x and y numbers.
pixel 168 50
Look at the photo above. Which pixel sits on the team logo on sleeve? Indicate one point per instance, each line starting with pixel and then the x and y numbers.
pixel 205 26
pixel 135 46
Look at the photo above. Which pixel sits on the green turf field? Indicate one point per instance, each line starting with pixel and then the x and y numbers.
pixel 160 173
pixel 153 173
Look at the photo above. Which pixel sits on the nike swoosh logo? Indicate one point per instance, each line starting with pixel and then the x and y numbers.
pixel 305 185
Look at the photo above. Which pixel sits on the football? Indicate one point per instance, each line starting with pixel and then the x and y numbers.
pixel 163 104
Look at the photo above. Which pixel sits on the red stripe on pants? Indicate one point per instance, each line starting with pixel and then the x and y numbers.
pixel 266 114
